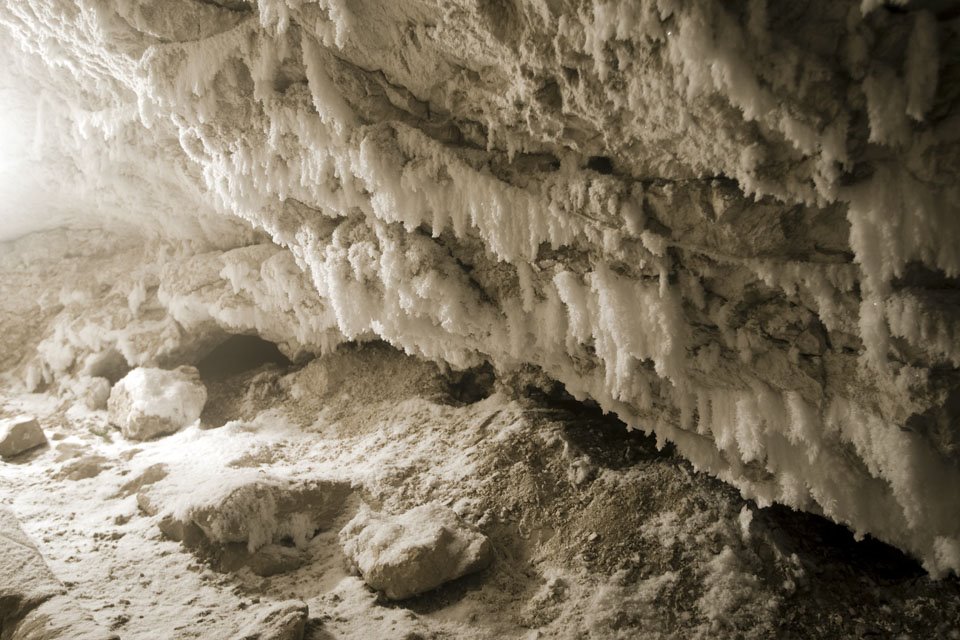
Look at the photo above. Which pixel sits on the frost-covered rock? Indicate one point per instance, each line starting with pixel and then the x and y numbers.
pixel 147 402
pixel 20 434
pixel 246 523
pixel 414 552
pixel 262 512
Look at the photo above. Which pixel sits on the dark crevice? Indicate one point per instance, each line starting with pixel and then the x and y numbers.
pixel 833 545
pixel 919 275
pixel 239 6
pixel 472 385
pixel 606 439
pixel 110 365
pixel 823 547
pixel 600 164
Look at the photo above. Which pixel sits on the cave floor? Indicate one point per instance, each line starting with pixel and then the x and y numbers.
pixel 596 532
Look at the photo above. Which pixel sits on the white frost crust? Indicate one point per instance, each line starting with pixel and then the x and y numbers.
pixel 269 116
pixel 147 402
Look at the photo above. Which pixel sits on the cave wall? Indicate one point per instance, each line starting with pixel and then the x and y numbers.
pixel 734 225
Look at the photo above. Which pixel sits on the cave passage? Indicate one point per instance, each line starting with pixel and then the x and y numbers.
pixel 239 354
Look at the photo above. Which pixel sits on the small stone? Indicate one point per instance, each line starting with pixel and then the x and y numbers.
pixel 285 620
pixel 83 468
pixel 151 475
pixel 417 551
pixel 148 403
pixel 20 434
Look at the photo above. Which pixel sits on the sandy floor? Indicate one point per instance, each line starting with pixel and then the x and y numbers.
pixel 596 533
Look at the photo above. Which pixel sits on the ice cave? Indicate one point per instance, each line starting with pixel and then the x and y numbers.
pixel 467 319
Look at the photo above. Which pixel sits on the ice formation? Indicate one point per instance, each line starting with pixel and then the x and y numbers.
pixel 732 224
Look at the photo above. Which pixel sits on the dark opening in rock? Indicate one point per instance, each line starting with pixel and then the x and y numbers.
pixel 238 354
pixel 831 548
pixel 239 373
pixel 472 385
pixel 916 274
pixel 110 364
pixel 600 164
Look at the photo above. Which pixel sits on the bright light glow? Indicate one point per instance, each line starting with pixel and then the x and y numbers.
pixel 32 196
pixel 15 129
pixel 21 188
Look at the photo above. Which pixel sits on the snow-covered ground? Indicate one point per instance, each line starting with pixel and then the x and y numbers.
pixel 595 533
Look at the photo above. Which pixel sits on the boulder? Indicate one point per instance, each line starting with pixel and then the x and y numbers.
pixel 414 552
pixel 264 525
pixel 147 403
pixel 20 434
pixel 262 512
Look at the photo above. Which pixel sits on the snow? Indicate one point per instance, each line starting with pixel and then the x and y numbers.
pixel 36 605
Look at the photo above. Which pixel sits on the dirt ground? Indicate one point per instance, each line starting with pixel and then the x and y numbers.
pixel 596 532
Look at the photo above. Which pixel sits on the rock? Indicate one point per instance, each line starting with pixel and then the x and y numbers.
pixel 406 555
pixel 148 403
pixel 83 468
pixel 93 392
pixel 153 473
pixel 252 525
pixel 34 605
pixel 282 621
pixel 20 434
pixel 259 513
pixel 90 393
